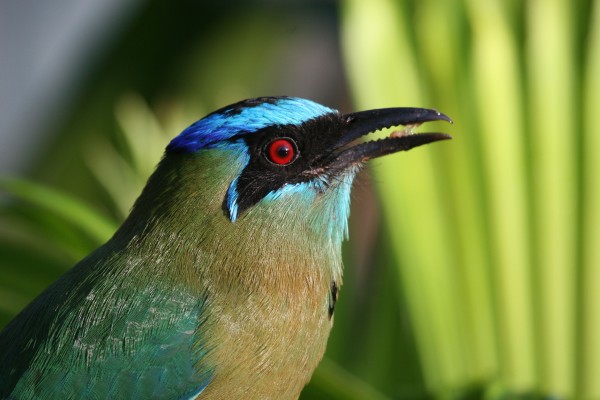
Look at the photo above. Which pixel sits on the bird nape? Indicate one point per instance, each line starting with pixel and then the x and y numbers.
pixel 222 282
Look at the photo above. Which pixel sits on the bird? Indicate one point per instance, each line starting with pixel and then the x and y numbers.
pixel 223 280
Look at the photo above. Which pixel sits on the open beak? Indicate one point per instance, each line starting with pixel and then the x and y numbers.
pixel 361 123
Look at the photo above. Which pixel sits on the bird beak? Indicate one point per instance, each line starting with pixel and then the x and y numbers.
pixel 364 122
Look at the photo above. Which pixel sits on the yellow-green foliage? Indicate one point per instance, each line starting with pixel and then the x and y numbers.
pixel 496 234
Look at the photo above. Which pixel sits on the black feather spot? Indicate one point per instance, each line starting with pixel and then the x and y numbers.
pixel 333 294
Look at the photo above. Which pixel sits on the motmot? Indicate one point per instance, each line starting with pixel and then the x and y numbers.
pixel 223 280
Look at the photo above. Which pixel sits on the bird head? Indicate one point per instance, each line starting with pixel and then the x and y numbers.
pixel 292 146
pixel 277 163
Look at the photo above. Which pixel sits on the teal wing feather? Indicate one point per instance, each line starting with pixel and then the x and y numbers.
pixel 93 336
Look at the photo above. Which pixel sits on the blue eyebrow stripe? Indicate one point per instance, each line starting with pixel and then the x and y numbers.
pixel 226 124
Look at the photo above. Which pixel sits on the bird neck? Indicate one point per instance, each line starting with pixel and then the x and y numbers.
pixel 180 219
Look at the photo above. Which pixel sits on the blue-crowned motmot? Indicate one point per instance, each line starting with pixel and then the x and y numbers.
pixel 222 282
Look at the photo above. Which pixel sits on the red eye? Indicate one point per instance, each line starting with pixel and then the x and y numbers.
pixel 281 151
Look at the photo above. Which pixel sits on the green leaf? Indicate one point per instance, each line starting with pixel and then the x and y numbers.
pixel 80 215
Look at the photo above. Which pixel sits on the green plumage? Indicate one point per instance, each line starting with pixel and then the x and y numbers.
pixel 165 292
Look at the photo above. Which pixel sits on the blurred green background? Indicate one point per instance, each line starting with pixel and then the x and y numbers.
pixel 473 265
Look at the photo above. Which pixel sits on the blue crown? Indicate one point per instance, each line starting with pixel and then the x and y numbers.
pixel 247 116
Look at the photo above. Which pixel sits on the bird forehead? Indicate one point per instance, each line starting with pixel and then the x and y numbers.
pixel 246 117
